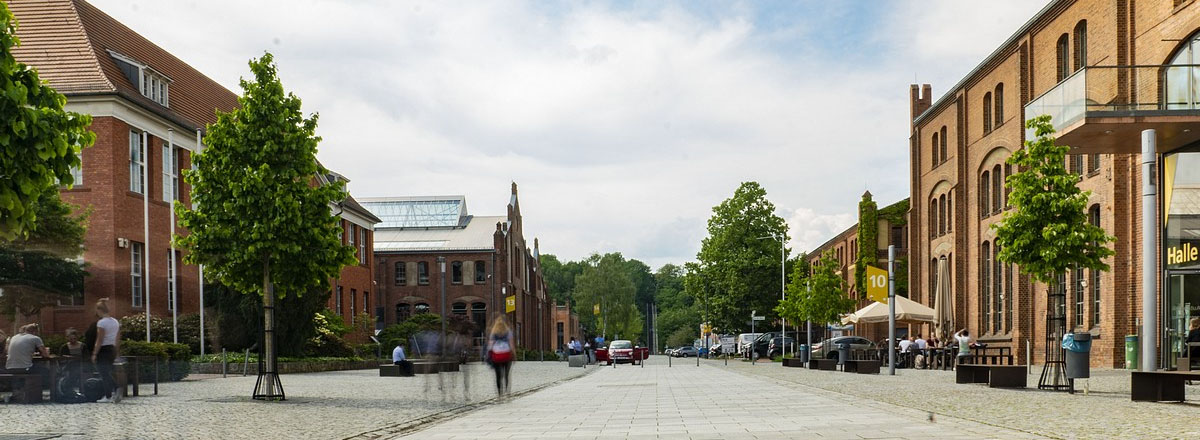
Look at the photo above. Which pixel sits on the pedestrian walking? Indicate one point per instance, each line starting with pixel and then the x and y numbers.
pixel 106 350
pixel 500 354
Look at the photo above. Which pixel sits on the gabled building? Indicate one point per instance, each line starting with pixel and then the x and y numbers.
pixel 424 243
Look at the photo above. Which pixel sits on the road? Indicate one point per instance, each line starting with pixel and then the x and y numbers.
pixel 698 402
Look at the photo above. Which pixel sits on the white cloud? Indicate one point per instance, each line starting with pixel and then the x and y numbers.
pixel 623 128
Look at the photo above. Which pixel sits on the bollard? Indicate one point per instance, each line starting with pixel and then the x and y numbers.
pixel 697 358
pixel 669 360
pixel 245 361
pixel 224 363
pixel 726 359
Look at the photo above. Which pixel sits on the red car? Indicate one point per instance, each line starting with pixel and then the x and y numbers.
pixel 620 351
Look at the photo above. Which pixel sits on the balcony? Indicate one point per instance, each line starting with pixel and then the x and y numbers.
pixel 1103 109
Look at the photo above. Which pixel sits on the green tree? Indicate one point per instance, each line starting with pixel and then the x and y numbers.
pixel 39 269
pixel 643 293
pixel 676 309
pixel 559 276
pixel 261 225
pixel 605 281
pixel 1047 232
pixel 40 140
pixel 739 271
pixel 820 297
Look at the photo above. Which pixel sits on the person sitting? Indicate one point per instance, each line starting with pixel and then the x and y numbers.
pixel 963 337
pixel 400 359
pixel 20 349
pixel 73 347
pixel 1193 337
pixel 573 346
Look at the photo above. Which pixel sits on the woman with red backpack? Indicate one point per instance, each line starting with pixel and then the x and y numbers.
pixel 500 353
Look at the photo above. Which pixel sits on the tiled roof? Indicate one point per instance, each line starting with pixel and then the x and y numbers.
pixel 68 42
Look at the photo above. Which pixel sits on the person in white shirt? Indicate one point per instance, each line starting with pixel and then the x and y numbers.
pixel 905 344
pixel 106 350
pixel 398 355
pixel 921 343
pixel 964 344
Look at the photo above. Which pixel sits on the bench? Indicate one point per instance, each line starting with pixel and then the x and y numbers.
pixel 31 390
pixel 823 364
pixel 861 366
pixel 996 376
pixel 792 362
pixel 425 367
pixel 1159 386
pixel 393 370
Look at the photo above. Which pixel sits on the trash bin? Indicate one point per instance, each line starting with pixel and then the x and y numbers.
pixel 843 353
pixel 1131 352
pixel 1079 351
pixel 803 354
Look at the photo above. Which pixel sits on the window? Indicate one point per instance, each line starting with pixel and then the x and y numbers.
pixel 942 220
pixel 997 291
pixel 1008 296
pixel 1077 164
pixel 1080 45
pixel 77 172
pixel 422 308
pixel 1007 189
pixel 171 279
pixel 1094 217
pixel 897 237
pixel 985 286
pixel 137 163
pixel 943 133
pixel 353 303
pixel 933 218
pixel 366 302
pixel 933 273
pixel 459 308
pixel 949 213
pixel 403 311
pixel 480 272
pixel 350 236
pixel 998 98
pixel 1093 163
pixel 479 317
pixel 423 273
pixel 456 272
pixel 984 184
pixel 987 112
pixel 1062 50
pixel 362 245
pixel 137 282
pixel 934 150
pixel 170 174
pixel 338 301
pixel 154 86
pixel 74 298
pixel 1078 282
pixel 401 273
pixel 996 189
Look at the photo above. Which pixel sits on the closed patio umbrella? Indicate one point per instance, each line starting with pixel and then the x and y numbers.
pixel 942 306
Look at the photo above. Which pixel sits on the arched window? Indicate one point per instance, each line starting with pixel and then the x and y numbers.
pixel 933 218
pixel 1094 218
pixel 934 150
pixel 1080 45
pixel 997 291
pixel 480 272
pixel 1181 90
pixel 944 140
pixel 998 99
pixel 942 219
pixel 459 308
pixel 933 271
pixel 984 184
pixel 985 285
pixel 987 112
pixel 401 273
pixel 950 212
pixel 1007 189
pixel 421 308
pixel 1063 53
pixel 997 177
pixel 403 311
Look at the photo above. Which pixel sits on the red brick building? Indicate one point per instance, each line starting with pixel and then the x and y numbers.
pixel 149 109
pixel 566 326
pixel 1104 70
pixel 351 292
pixel 425 242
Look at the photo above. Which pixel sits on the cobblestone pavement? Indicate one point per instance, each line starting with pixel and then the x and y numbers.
pixel 331 405
pixel 706 402
pixel 1105 412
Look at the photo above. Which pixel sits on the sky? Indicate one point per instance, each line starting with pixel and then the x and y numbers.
pixel 622 122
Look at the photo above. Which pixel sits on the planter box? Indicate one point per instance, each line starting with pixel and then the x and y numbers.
pixel 793 362
pixel 286 367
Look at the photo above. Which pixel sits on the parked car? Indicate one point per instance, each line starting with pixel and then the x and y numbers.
pixel 827 349
pixel 621 351
pixel 744 341
pixel 686 351
pixel 776 346
pixel 761 345
pixel 667 351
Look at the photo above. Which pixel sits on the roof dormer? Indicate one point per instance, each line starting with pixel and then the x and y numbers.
pixel 151 83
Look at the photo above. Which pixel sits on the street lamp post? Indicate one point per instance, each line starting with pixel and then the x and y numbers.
pixel 442 268
pixel 782 285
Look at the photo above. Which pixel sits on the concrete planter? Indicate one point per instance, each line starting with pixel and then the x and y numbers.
pixel 287 367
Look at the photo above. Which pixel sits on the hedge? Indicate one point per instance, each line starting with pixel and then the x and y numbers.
pixel 174 359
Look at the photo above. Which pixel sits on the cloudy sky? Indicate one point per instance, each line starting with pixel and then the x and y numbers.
pixel 622 122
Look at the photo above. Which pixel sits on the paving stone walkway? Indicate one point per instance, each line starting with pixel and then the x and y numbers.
pixel 705 402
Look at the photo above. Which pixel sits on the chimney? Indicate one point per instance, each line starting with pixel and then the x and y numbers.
pixel 921 99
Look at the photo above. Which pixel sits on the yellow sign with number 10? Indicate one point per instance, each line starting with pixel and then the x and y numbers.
pixel 877 284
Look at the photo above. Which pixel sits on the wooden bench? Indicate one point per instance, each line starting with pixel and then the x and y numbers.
pixel 425 367
pixel 31 389
pixel 793 362
pixel 823 364
pixel 1160 386
pixel 861 366
pixel 996 376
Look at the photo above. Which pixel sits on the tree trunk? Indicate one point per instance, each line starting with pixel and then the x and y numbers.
pixel 268 328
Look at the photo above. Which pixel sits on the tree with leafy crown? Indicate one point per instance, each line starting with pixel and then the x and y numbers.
pixel 1047 232
pixel 39 269
pixel 40 140
pixel 262 224
pixel 819 297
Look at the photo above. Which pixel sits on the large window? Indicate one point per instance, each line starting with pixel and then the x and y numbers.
pixel 422 308
pixel 353 303
pixel 985 183
pixel 987 112
pixel 480 272
pixel 933 219
pixel 934 150
pixel 1093 165
pixel 137 163
pixel 998 105
pixel 1094 218
pixel 997 188
pixel 1080 52
pixel 170 173
pixel 942 215
pixel 338 301
pixel 985 286
pixel 1063 53
pixel 403 311
pixel 401 273
pixel 171 279
pixel 456 272
pixel 459 308
pixel 1182 83
pixel 423 273
pixel 1076 164
pixel 350 236
pixel 362 245
pixel 479 317
pixel 1077 282
pixel 944 140
pixel 997 291
pixel 136 280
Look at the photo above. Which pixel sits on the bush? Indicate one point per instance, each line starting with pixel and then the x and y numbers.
pixel 368 351
pixel 133 327
pixel 404 331
pixel 54 342
pixel 174 359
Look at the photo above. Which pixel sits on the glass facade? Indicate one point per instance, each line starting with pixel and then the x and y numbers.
pixel 1181 249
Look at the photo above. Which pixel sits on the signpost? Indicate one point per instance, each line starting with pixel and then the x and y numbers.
pixel 877 284
pixel 510 304
pixel 891 293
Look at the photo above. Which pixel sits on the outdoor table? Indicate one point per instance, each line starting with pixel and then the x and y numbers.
pixel 135 380
pixel 52 364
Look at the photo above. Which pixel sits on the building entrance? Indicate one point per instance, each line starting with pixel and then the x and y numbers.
pixel 1181 303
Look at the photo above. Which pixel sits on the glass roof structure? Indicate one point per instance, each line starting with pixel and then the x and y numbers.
pixel 418 212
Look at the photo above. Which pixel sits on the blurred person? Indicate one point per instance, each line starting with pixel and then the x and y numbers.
pixel 21 348
pixel 587 351
pixel 106 349
pixel 1193 336
pixel 73 347
pixel 500 354
pixel 963 337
